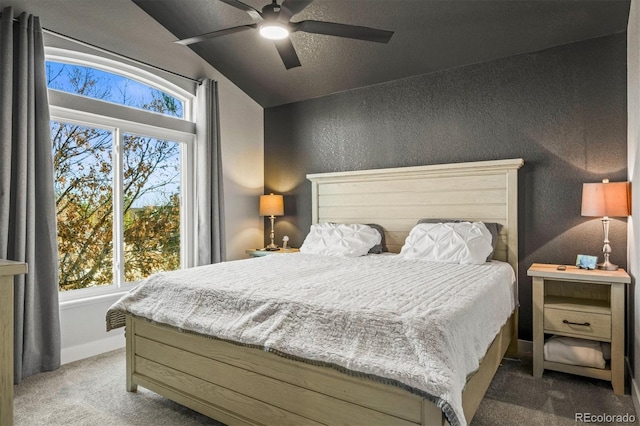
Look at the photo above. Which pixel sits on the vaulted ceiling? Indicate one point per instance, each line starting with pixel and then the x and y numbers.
pixel 429 36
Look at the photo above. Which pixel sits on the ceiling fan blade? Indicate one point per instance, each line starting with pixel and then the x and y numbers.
pixel 287 53
pixel 343 30
pixel 288 8
pixel 213 34
pixel 254 13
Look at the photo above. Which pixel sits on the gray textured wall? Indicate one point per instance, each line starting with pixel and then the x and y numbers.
pixel 563 110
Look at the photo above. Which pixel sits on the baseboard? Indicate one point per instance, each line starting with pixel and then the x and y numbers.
pixel 635 389
pixel 76 353
pixel 525 346
pixel 635 392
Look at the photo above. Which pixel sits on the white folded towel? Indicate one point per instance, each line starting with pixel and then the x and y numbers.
pixel 569 350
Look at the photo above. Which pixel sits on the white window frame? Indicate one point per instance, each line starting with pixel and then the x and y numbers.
pixel 121 119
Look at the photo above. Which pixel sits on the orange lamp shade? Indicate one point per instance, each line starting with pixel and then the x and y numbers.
pixel 612 199
pixel 271 205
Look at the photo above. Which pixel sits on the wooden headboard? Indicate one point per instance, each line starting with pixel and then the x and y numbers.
pixel 396 198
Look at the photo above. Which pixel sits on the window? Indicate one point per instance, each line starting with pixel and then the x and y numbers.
pixel 84 202
pixel 109 87
pixel 151 206
pixel 123 164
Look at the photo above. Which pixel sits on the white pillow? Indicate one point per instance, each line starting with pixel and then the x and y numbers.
pixel 335 239
pixel 463 242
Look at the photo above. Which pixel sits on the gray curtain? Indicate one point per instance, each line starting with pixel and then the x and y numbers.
pixel 27 203
pixel 209 183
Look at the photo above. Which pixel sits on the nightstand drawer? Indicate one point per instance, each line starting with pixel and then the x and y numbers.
pixel 579 324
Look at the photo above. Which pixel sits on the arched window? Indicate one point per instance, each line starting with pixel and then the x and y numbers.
pixel 123 146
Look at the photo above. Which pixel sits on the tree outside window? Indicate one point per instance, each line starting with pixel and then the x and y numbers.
pixel 84 185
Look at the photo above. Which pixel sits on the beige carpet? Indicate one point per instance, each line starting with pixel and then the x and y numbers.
pixel 517 398
pixel 92 392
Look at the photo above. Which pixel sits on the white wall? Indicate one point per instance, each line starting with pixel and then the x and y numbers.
pixel 633 159
pixel 242 129
pixel 121 26
pixel 83 328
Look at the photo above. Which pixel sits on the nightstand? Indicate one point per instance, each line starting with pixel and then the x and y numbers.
pixel 586 304
pixel 262 252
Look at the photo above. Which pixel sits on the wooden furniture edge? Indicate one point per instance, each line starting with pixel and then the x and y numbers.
pixel 573 273
pixel 468 167
pixel 478 384
pixel 12 267
pixel 8 269
pixel 200 401
pixel 617 338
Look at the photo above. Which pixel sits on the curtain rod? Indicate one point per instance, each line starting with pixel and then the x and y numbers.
pixel 111 52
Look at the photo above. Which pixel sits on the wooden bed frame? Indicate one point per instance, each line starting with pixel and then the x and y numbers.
pixel 246 386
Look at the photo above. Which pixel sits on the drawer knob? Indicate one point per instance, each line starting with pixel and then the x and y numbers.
pixel 585 324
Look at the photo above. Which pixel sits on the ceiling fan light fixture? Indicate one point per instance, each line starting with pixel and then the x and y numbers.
pixel 274 23
pixel 273 31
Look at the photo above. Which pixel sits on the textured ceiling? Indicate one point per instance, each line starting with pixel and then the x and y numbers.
pixel 429 36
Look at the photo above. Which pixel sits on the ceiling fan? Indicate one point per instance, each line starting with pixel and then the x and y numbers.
pixel 274 22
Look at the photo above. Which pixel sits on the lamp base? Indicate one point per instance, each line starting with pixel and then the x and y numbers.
pixel 272 246
pixel 607 266
pixel 606 249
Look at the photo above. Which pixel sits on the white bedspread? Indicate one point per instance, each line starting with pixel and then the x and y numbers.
pixel 425 325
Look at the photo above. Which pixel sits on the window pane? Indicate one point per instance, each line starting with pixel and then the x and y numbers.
pixel 94 83
pixel 151 206
pixel 83 189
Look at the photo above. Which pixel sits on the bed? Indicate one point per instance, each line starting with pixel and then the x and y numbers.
pixel 243 384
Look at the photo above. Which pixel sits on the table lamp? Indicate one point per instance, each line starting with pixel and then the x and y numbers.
pixel 606 199
pixel 272 206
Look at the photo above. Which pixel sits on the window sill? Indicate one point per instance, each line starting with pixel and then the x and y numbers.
pixel 74 298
